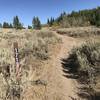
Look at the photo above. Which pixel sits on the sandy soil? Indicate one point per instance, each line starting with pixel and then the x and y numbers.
pixel 59 85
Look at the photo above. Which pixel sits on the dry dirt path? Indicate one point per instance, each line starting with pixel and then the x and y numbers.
pixel 61 87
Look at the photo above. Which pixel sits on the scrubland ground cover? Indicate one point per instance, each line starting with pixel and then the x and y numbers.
pixel 79 31
pixel 38 52
pixel 84 60
pixel 34 50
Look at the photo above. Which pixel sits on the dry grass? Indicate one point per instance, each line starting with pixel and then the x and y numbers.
pixel 34 51
pixel 84 62
pixel 36 48
pixel 80 62
pixel 79 31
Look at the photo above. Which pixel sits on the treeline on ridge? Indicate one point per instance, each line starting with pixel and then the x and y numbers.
pixel 79 18
pixel 36 24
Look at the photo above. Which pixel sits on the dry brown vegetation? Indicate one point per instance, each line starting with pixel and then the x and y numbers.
pixel 41 52
pixel 84 60
pixel 79 31
pixel 35 49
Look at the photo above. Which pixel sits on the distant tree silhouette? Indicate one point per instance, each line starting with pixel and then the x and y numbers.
pixel 6 25
pixel 36 23
pixel 16 23
pixel 29 27
pixel 0 25
pixel 48 22
pixel 79 18
pixel 10 25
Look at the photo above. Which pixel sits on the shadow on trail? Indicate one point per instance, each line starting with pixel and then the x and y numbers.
pixel 69 72
pixel 69 66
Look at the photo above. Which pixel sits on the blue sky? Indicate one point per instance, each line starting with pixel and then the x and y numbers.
pixel 26 9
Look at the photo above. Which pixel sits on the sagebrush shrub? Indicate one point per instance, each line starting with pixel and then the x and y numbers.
pixel 38 45
pixel 79 31
pixel 85 58
pixel 34 48
pixel 84 63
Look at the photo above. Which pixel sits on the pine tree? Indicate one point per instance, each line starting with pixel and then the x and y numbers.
pixel 36 23
pixel 16 23
pixel 5 25
pixel 48 22
pixel 0 25
pixel 10 26
pixel 51 22
pixel 29 27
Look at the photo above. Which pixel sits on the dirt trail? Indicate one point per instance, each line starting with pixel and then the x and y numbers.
pixel 62 87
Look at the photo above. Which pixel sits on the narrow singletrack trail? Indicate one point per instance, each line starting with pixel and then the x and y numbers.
pixel 65 88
